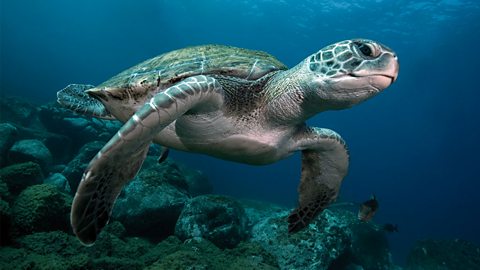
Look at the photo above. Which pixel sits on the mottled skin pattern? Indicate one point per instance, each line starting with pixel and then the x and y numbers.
pixel 230 103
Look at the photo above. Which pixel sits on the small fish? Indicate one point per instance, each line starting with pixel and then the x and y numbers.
pixel 368 209
pixel 391 228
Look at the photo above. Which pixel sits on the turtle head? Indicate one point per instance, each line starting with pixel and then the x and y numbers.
pixel 349 72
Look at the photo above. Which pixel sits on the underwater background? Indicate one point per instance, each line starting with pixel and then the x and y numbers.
pixel 415 146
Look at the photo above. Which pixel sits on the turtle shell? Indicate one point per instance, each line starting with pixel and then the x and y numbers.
pixel 169 68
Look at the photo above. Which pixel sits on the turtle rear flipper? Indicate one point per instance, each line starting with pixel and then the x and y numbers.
pixel 324 165
pixel 121 158
pixel 76 99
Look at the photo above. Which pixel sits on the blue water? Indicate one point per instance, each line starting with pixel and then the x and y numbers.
pixel 415 145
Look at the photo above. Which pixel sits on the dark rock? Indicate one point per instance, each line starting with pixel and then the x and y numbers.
pixel 4 193
pixel 314 247
pixel 193 181
pixel 30 150
pixel 168 172
pixel 324 244
pixel 18 111
pixel 154 216
pixel 197 181
pixel 81 129
pixel 19 176
pixel 5 223
pixel 370 247
pixel 75 168
pixel 59 181
pixel 41 208
pixel 8 133
pixel 217 218
pixel 151 204
pixel 58 168
pixel 155 150
pixel 77 123
pixel 258 211
pixel 59 145
pixel 444 254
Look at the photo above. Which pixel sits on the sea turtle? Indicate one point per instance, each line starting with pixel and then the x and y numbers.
pixel 231 103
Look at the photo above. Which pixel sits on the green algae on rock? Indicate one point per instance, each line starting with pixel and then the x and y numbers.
pixel 20 176
pixel 59 250
pixel 7 137
pixel 202 254
pixel 5 223
pixel 41 208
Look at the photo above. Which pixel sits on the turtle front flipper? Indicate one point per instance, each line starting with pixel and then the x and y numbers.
pixel 121 158
pixel 324 165
pixel 100 186
pixel 75 98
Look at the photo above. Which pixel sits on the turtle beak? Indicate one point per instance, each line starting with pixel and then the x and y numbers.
pixel 395 68
pixel 385 66
pixel 391 69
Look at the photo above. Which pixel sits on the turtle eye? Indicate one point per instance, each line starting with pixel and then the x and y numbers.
pixel 367 49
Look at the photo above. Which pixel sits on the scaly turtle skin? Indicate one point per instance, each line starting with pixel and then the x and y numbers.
pixel 231 103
